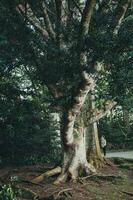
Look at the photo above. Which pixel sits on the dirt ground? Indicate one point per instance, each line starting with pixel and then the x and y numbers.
pixel 111 183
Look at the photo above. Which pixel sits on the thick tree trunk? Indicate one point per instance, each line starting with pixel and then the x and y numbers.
pixel 73 133
pixel 75 160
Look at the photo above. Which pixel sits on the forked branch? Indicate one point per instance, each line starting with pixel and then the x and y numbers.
pixel 86 17
pixel 97 114
pixel 32 19
pixel 47 22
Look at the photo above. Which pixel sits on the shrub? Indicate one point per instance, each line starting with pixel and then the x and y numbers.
pixel 6 193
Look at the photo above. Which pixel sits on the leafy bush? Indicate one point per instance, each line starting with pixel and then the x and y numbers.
pixel 116 134
pixel 6 193
pixel 27 130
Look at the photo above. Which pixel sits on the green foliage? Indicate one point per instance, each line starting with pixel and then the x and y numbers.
pixel 116 133
pixel 6 193
pixel 26 127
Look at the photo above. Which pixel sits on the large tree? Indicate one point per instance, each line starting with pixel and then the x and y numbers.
pixel 67 44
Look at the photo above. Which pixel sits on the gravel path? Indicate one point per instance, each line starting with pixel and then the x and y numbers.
pixel 124 154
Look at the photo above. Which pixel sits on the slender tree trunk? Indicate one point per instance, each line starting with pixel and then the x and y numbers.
pixel 94 155
pixel 126 120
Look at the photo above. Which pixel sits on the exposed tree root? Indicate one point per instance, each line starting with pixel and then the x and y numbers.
pixel 59 194
pixel 64 191
pixel 91 168
pixel 73 173
pixel 87 177
pixel 128 193
pixel 108 162
pixel 98 178
pixel 49 173
pixel 32 183
pixel 61 178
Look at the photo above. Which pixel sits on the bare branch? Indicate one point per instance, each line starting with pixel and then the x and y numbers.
pixel 48 23
pixel 54 91
pixel 119 15
pixel 86 17
pixel 97 114
pixel 32 19
pixel 58 13
pixel 57 108
pixel 84 27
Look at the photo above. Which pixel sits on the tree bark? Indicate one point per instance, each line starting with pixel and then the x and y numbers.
pixel 75 160
pixel 94 155
pixel 119 15
pixel 126 120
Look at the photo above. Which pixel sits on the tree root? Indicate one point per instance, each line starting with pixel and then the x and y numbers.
pixel 59 194
pixel 108 162
pixel 128 193
pixel 91 168
pixel 32 183
pixel 61 178
pixel 49 173
pixel 98 178
pixel 87 177
pixel 71 172
pixel 63 191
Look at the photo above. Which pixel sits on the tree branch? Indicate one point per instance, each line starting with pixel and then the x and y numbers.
pixel 86 17
pixel 119 15
pixel 47 22
pixel 78 100
pixel 57 108
pixel 54 91
pixel 97 114
pixel 58 13
pixel 29 15
pixel 84 27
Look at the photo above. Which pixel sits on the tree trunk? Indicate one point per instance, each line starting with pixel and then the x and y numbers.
pixel 126 120
pixel 75 160
pixel 73 133
pixel 94 155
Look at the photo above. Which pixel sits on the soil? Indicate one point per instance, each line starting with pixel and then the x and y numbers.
pixel 111 183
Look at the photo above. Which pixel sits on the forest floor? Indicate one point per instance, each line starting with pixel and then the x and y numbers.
pixel 113 182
